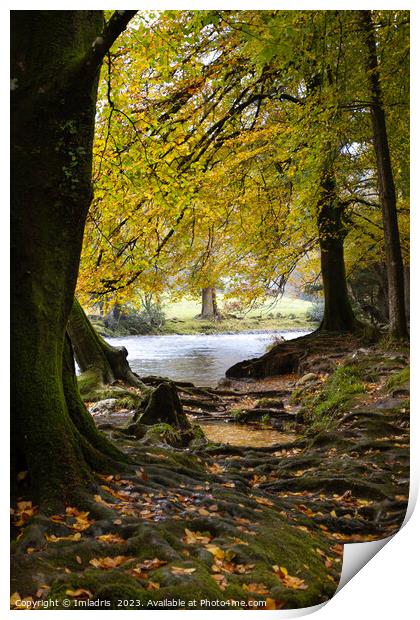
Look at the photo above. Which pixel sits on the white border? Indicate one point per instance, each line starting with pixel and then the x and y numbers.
pixel 387 586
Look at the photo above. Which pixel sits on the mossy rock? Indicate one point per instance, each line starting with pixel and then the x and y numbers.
pixel 399 380
pixel 126 399
pixel 163 434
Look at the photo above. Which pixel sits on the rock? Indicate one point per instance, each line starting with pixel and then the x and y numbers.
pixel 224 382
pixel 310 376
pixel 363 351
pixel 403 390
pixel 102 407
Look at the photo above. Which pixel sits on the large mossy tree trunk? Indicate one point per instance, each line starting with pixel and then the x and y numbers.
pixel 338 313
pixel 386 186
pixel 95 355
pixel 209 309
pixel 98 452
pixel 55 58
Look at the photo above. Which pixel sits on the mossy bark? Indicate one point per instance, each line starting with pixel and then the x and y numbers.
pixel 96 448
pixel 338 313
pixel 165 406
pixel 92 352
pixel 52 127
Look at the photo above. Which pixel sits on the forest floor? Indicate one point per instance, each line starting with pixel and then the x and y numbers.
pixel 226 526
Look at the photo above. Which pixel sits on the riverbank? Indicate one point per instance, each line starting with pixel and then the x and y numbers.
pixel 220 522
pixel 199 358
pixel 252 325
pixel 181 319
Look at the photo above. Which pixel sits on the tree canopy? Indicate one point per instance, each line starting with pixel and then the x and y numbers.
pixel 214 131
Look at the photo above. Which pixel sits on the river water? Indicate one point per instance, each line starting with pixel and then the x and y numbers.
pixel 244 434
pixel 199 358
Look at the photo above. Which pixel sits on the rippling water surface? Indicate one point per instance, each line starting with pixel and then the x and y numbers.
pixel 202 359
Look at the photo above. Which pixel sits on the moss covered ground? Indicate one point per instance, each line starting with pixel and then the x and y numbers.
pixel 221 526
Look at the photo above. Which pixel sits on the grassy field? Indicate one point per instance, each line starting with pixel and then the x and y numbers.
pixel 283 314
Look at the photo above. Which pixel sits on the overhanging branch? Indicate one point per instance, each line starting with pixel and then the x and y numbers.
pixel 101 45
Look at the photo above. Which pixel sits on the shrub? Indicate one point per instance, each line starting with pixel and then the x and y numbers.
pixel 316 312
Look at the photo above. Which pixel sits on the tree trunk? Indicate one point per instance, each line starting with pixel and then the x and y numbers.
pixel 382 298
pixel 97 450
pixel 407 291
pixel 93 353
pixel 338 313
pixel 164 406
pixel 54 84
pixel 395 269
pixel 209 308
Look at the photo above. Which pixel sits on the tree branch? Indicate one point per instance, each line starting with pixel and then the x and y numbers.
pixel 102 44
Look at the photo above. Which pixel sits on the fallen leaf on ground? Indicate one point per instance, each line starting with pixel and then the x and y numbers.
pixel 108 562
pixel 193 538
pixel 137 573
pixel 243 520
pixel 17 602
pixel 142 474
pixel 82 522
pixel 57 518
pixel 221 581
pixel 338 549
pixel 307 511
pixel 124 496
pixel 151 564
pixel 271 603
pixel 256 588
pixel 216 551
pixel 54 539
pixel 263 500
pixel 23 512
pixel 203 512
pixel 242 569
pixel 214 469
pixel 111 538
pixel 100 500
pixel 14 598
pixel 79 593
pixel 287 580
pixel 238 541
pixel 180 570
pixel 153 585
